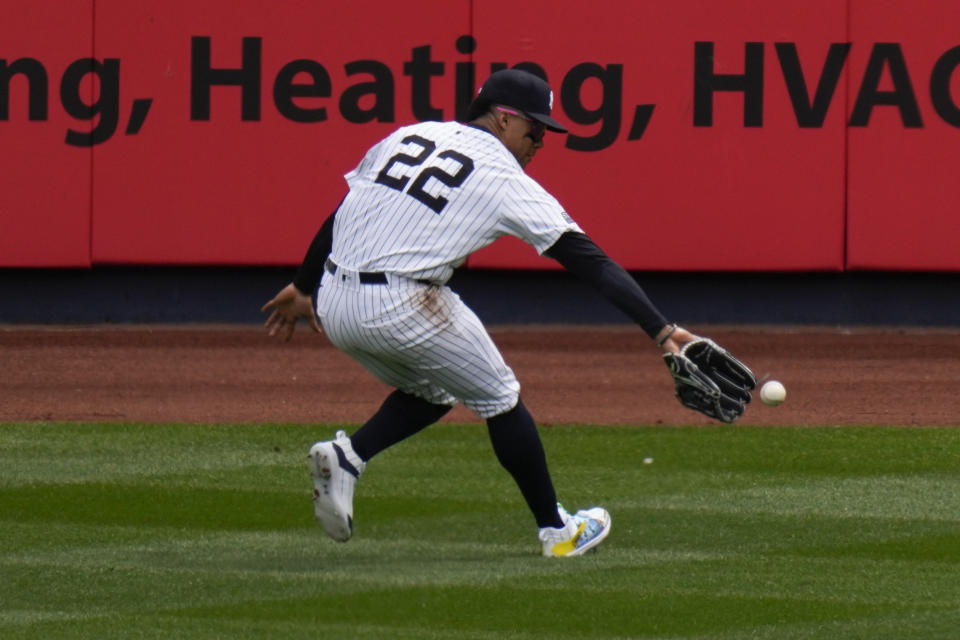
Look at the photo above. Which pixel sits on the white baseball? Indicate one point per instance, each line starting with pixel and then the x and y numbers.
pixel 773 393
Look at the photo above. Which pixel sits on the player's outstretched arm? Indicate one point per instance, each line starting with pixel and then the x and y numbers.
pixel 288 306
pixel 707 378
pixel 581 256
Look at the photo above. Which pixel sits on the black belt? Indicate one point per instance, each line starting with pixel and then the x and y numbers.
pixel 366 277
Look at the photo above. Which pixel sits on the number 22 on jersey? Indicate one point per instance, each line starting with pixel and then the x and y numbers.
pixel 417 188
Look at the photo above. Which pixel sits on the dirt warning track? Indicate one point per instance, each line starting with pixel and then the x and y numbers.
pixel 579 374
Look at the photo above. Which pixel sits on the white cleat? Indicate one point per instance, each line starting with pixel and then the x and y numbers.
pixel 334 478
pixel 583 531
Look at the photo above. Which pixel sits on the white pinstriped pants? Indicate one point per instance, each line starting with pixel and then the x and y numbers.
pixel 419 338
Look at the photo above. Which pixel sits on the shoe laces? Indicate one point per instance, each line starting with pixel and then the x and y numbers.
pixel 591 528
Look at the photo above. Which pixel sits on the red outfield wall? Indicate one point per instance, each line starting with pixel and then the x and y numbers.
pixel 703 135
pixel 903 190
pixel 44 184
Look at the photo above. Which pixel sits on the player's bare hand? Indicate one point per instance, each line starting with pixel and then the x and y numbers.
pixel 288 306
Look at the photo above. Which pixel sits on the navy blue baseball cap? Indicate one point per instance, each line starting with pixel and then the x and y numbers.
pixel 521 90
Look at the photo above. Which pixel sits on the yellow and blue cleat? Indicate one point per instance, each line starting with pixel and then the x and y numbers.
pixel 582 531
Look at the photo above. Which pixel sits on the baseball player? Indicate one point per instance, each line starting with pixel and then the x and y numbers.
pixel 420 202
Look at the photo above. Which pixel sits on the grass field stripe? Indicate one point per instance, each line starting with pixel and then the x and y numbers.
pixel 733 533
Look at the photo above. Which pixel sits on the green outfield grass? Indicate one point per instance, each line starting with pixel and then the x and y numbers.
pixel 194 531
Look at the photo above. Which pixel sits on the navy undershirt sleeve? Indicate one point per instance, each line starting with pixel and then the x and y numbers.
pixel 581 256
pixel 311 270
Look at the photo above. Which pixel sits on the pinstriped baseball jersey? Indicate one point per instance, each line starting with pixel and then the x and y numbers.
pixel 430 194
pixel 420 202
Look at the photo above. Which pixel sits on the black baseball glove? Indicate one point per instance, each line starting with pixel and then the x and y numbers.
pixel 710 380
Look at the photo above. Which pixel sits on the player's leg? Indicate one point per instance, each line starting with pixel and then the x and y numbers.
pixel 517 446
pixel 443 352
pixel 336 465
pixel 435 349
pixel 462 359
pixel 400 416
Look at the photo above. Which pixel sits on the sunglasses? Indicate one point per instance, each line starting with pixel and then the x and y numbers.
pixel 537 128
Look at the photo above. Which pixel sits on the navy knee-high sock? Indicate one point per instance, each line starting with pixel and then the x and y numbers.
pixel 400 416
pixel 517 444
